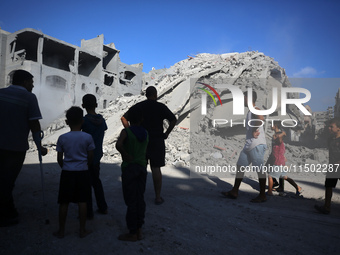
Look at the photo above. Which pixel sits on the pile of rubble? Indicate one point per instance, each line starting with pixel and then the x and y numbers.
pixel 177 88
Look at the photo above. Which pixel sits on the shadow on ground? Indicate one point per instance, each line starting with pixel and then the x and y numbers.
pixel 195 219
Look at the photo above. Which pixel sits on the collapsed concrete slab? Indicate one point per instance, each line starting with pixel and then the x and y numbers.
pixel 177 84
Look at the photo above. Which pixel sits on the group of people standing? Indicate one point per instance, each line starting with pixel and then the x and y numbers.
pixel 140 142
pixel 79 153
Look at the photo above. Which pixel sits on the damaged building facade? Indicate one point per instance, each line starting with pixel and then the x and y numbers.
pixel 63 72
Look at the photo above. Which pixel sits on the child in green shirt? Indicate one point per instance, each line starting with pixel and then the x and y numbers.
pixel 132 144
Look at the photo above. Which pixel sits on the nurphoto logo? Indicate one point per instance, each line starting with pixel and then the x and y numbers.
pixel 238 104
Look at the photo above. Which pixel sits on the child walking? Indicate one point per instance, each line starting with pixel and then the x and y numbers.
pixel 278 153
pixel 95 125
pixel 132 144
pixel 75 152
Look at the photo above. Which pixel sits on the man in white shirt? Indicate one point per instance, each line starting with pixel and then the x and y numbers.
pixel 252 153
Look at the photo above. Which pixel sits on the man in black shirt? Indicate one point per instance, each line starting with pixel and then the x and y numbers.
pixel 154 114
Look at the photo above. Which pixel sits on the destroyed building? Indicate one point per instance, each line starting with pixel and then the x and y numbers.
pixel 178 88
pixel 322 117
pixel 63 72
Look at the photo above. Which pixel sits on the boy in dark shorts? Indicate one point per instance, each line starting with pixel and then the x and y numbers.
pixel 333 172
pixel 95 125
pixel 75 152
pixel 132 144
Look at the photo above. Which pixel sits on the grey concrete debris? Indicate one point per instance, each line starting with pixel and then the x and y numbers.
pixel 177 88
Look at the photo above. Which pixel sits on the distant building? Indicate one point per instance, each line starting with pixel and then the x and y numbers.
pixel 337 104
pixel 63 72
pixel 322 117
pixel 330 113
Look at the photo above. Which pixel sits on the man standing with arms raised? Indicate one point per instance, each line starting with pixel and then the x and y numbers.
pixel 154 114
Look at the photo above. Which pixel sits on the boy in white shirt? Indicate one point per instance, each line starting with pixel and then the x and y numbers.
pixel 75 153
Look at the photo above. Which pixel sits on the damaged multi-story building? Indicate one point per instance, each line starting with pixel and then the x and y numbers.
pixel 63 72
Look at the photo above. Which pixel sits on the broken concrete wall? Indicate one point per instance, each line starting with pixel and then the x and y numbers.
pixel 90 57
pixel 111 58
pixel 94 45
pixel 3 55
pixel 130 80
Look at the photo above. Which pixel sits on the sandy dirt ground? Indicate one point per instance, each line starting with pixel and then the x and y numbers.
pixel 195 218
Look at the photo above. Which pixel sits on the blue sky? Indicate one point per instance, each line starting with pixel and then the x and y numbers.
pixel 302 36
